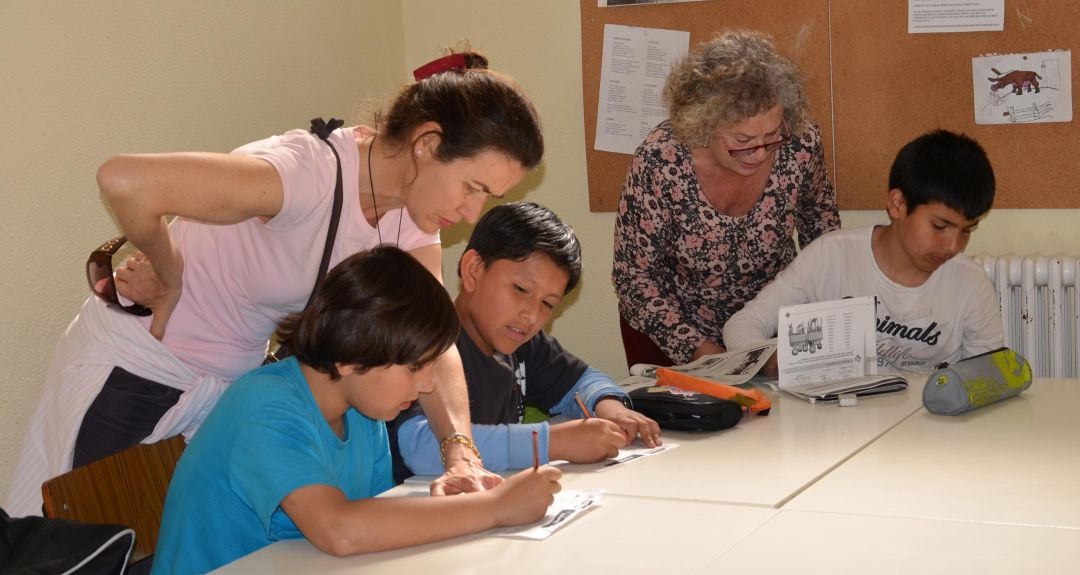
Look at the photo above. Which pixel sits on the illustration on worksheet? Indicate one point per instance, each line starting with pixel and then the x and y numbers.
pixel 805 336
pixel 1023 88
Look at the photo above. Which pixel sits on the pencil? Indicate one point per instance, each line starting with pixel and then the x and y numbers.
pixel 536 451
pixel 581 404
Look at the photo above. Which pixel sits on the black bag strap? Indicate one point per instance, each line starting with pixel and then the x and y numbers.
pixel 323 129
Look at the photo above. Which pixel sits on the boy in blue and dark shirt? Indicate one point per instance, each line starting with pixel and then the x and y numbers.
pixel 518 265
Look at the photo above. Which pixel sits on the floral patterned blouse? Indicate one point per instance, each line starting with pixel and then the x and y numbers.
pixel 681 267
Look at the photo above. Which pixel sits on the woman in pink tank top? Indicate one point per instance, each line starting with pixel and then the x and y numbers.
pixel 243 250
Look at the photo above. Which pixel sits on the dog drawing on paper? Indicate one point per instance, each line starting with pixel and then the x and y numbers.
pixel 1017 80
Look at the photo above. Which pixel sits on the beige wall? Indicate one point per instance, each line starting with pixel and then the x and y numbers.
pixel 82 80
pixel 102 77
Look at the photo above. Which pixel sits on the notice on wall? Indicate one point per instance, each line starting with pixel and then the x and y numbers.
pixel 928 16
pixel 607 3
pixel 1023 88
pixel 636 63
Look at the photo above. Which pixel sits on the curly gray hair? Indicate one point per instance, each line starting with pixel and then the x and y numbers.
pixel 737 75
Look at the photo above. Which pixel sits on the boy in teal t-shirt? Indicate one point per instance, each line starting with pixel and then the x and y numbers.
pixel 299 448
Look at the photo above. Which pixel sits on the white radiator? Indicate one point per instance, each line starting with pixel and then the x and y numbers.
pixel 1040 308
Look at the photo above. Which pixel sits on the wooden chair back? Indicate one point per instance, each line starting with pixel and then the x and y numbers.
pixel 126 488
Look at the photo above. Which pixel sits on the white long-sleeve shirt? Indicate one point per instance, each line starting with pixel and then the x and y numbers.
pixel 954 314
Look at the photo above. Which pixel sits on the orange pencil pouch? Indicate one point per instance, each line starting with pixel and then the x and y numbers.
pixel 751 399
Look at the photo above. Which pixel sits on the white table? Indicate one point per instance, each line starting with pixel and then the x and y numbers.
pixel 808 543
pixel 626 535
pixel 882 487
pixel 1013 462
pixel 762 461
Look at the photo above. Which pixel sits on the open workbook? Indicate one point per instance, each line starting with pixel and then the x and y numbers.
pixel 859 386
pixel 824 350
pixel 828 349
pixel 731 367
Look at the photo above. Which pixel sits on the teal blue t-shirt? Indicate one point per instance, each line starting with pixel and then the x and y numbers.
pixel 264 439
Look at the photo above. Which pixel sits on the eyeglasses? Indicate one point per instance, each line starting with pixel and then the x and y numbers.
pixel 769 146
pixel 99 272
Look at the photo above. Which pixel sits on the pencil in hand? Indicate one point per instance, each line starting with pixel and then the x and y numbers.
pixel 581 404
pixel 536 450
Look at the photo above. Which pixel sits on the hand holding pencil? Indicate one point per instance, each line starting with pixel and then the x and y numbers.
pixel 581 405
pixel 632 423
pixel 525 496
pixel 585 440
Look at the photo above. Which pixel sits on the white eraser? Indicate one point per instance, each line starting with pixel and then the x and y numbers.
pixel 848 400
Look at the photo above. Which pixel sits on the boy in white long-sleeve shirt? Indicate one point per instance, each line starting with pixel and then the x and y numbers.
pixel 934 304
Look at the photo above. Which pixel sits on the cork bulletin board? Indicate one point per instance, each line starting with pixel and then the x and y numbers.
pixel 872 87
pixel 890 86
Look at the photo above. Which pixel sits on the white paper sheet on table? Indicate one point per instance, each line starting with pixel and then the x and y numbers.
pixel 628 454
pixel 569 505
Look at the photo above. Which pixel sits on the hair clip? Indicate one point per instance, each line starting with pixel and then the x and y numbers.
pixel 323 129
pixel 440 65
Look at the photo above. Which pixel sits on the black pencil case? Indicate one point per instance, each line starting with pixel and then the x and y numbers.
pixel 685 410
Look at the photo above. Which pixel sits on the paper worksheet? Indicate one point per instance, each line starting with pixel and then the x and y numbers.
pixel 634 453
pixel 569 505
pixel 826 341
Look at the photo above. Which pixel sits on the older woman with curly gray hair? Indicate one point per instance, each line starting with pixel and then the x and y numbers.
pixel 714 196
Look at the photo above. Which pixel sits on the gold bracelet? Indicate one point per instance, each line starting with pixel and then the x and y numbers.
pixel 462 439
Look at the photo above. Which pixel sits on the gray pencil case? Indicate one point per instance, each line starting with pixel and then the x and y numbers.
pixel 976 381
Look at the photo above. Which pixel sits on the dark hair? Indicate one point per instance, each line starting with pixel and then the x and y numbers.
pixel 478 110
pixel 942 166
pixel 516 230
pixel 375 308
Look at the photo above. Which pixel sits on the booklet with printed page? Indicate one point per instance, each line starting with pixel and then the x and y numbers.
pixel 730 367
pixel 827 349
pixel 859 386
